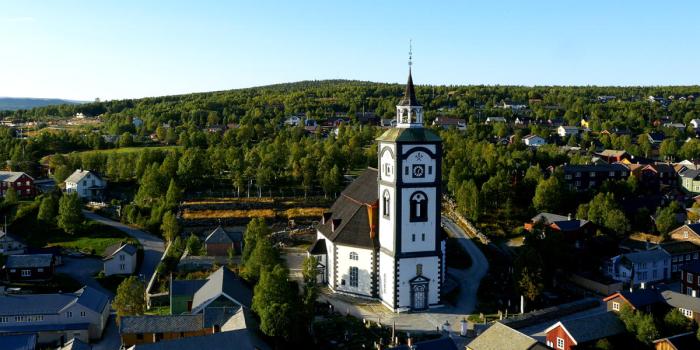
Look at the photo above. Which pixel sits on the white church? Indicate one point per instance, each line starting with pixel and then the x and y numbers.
pixel 381 239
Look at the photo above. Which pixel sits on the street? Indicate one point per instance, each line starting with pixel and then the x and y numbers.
pixel 153 247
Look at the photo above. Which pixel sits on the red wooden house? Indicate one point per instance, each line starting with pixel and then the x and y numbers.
pixel 21 182
pixel 566 335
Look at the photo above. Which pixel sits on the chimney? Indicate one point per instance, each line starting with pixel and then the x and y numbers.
pixel 569 216
pixel 641 285
pixel 694 293
pixel 326 216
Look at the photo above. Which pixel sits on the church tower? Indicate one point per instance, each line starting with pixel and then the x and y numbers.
pixel 411 249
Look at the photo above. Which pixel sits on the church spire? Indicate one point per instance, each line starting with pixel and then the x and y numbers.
pixel 409 96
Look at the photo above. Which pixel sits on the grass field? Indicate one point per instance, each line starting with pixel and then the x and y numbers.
pixel 121 150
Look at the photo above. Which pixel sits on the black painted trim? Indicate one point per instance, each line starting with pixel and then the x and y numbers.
pixel 418 149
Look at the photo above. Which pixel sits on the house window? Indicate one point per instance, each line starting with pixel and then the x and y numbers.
pixel 4 319
pixel 122 257
pixel 578 174
pixel 685 234
pixel 419 270
pixel 689 277
pixel 40 269
pixel 687 313
pixel 413 237
pixel 422 237
pixel 418 207
pixel 560 343
pixel 139 336
pixel 612 174
pixel 616 306
pixel 354 256
pixel 82 313
pixel 386 201
pixel 689 291
pixel 69 314
pixel 26 273
pixel 122 267
pixel 353 276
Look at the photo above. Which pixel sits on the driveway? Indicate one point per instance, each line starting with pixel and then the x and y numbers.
pixel 430 320
pixel 153 247
pixel 83 270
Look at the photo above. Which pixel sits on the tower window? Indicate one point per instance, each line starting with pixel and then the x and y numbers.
pixel 413 237
pixel 419 207
pixel 422 237
pixel 419 270
pixel 353 256
pixel 430 170
pixel 386 201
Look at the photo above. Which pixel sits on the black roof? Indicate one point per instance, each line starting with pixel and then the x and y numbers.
pixel 594 167
pixel 409 96
pixel 349 213
pixel 642 297
pixel 318 248
pixel 685 341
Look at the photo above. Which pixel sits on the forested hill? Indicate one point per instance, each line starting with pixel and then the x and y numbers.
pixel 15 103
pixel 320 99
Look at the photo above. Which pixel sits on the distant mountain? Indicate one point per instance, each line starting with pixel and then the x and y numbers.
pixel 14 103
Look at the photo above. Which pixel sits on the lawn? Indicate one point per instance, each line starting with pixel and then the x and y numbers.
pixel 228 214
pixel 121 150
pixel 92 238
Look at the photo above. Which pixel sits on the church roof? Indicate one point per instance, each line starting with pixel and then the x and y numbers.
pixel 349 213
pixel 409 96
pixel 409 135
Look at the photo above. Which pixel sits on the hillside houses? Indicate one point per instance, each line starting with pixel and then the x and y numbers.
pixel 87 184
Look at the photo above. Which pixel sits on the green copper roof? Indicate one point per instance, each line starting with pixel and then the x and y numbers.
pixel 409 135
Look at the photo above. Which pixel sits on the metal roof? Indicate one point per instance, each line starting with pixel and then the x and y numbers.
pixel 18 341
pixel 161 324
pixel 679 300
pixel 223 282
pixel 409 135
pixel 28 260
pixel 79 174
pixel 43 304
pixel 219 235
pixel 502 337
pixel 12 176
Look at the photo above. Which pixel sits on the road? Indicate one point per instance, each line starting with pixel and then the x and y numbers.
pixel 83 270
pixel 429 320
pixel 153 247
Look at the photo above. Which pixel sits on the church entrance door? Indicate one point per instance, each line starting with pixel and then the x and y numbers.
pixel 419 297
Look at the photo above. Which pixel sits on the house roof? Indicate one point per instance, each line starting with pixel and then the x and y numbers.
pixel 119 247
pixel 646 256
pixel 679 300
pixel 684 341
pixel 444 343
pixel 613 153
pixel 349 213
pixel 502 337
pixel 18 341
pixel 680 247
pixel 161 324
pixel 222 282
pixel 79 174
pixel 690 174
pixel 318 248
pixel 656 136
pixel 589 328
pixel 221 315
pixel 43 304
pixel 242 339
pixel 594 167
pixel 75 344
pixel 12 176
pixel 549 218
pixel 219 235
pixel 186 287
pixel 638 298
pixel 28 260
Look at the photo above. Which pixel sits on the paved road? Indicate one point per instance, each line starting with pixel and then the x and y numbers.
pixel 110 338
pixel 83 270
pixel 427 321
pixel 153 247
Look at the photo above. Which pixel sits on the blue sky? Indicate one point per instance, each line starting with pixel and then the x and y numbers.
pixel 124 49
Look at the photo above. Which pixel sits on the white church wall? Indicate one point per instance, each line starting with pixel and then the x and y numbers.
pixel 386 226
pixel 364 263
pixel 386 278
pixel 330 255
pixel 423 232
pixel 387 168
pixel 407 271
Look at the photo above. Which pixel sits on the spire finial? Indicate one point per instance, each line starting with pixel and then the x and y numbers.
pixel 410 53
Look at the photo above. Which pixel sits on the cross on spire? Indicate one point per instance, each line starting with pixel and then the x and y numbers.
pixel 410 53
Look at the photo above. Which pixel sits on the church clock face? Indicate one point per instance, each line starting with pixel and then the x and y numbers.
pixel 419 170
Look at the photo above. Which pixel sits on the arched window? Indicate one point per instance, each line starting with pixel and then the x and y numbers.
pixel 419 207
pixel 386 201
pixel 353 256
pixel 419 270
